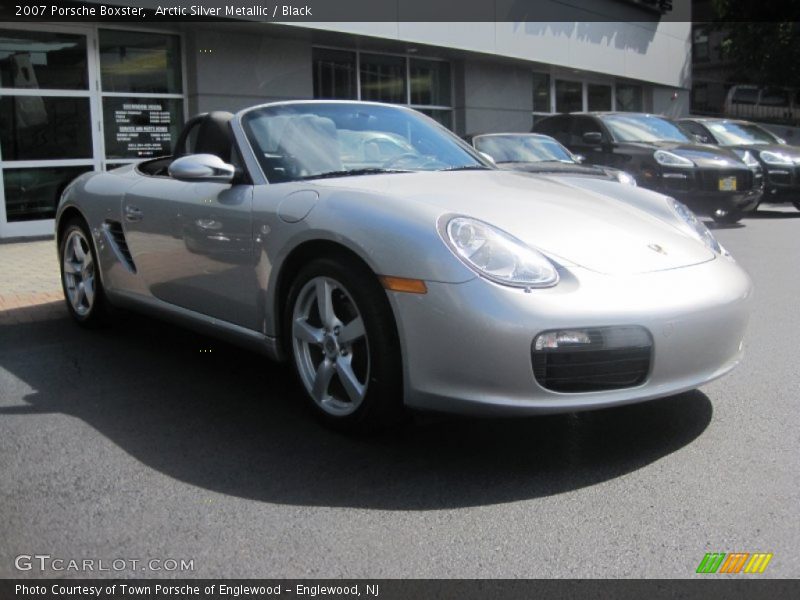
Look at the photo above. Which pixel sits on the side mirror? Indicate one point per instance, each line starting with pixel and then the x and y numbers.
pixel 201 167
pixel 488 157
pixel 579 158
pixel 593 138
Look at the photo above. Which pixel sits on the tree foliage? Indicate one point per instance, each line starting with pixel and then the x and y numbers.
pixel 762 39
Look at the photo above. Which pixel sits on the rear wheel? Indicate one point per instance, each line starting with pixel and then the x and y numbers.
pixel 343 342
pixel 80 276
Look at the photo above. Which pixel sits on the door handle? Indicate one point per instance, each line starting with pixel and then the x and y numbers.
pixel 133 214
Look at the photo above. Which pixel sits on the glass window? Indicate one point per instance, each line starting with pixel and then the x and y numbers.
pixel 700 44
pixel 508 148
pixel 44 127
pixel 40 60
pixel 334 74
pixel 745 95
pixel 643 128
pixel 141 127
pixel 430 82
pixel 383 78
pixel 147 63
pixel 774 97
pixel 311 140
pixel 629 97
pixel 599 96
pixel 32 194
pixel 569 96
pixel 541 92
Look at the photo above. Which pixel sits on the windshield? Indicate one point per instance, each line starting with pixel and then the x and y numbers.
pixel 315 140
pixel 643 128
pixel 734 134
pixel 522 148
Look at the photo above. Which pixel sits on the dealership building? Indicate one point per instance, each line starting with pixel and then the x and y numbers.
pixel 77 97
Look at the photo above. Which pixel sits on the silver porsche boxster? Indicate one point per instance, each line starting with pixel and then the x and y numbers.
pixel 396 268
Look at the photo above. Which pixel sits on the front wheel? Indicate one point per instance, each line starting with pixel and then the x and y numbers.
pixel 343 342
pixel 80 276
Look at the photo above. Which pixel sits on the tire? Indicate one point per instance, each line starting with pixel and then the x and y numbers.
pixel 729 218
pixel 80 278
pixel 347 357
pixel 796 204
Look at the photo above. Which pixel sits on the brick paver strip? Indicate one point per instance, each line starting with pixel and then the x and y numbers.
pixel 30 285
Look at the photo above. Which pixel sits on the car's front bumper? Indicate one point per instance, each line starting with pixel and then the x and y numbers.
pixel 699 188
pixel 467 347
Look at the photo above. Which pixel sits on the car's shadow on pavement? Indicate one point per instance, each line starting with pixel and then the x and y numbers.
pixel 231 421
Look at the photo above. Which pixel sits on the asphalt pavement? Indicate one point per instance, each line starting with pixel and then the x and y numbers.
pixel 146 442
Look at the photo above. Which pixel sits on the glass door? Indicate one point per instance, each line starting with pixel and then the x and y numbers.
pixel 47 112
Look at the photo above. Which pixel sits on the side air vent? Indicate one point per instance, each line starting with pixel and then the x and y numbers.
pixel 116 239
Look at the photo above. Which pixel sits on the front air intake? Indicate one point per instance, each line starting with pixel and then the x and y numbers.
pixel 592 359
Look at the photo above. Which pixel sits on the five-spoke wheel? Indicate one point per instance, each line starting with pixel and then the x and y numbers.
pixel 343 342
pixel 80 275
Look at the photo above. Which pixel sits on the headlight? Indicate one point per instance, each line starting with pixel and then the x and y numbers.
pixel 749 159
pixel 498 256
pixel 669 159
pixel 696 227
pixel 626 178
pixel 776 158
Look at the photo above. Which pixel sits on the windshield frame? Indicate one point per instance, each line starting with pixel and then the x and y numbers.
pixel 246 139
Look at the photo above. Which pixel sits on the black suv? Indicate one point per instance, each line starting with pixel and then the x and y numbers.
pixel 781 162
pixel 711 180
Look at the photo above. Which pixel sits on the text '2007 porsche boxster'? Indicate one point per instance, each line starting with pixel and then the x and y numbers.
pixel 395 267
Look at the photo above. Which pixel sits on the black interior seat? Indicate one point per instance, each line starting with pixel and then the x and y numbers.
pixel 208 133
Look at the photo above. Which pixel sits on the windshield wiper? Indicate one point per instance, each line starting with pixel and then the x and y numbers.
pixel 348 172
pixel 467 168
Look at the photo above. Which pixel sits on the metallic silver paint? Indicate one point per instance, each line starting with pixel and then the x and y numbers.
pixel 210 255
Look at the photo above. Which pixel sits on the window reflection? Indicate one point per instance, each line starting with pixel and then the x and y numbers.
pixel 33 194
pixel 132 61
pixel 334 74
pixel 41 60
pixel 41 127
pixel 383 78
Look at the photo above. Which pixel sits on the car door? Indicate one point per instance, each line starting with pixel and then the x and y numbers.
pixel 598 152
pixel 192 243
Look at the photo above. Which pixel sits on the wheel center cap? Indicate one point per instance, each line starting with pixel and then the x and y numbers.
pixel 330 346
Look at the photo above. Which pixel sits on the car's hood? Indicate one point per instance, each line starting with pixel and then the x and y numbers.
pixel 587 227
pixel 703 155
pixel 554 167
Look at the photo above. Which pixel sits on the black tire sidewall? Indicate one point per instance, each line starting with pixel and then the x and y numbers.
pixel 383 403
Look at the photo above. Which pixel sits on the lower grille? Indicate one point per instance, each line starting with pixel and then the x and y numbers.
pixel 592 359
pixel 709 179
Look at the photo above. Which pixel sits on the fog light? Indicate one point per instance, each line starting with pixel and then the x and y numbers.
pixel 557 339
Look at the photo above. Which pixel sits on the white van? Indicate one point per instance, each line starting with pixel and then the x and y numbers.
pixel 769 103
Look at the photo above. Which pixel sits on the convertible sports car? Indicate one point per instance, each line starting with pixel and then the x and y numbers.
pixel 538 153
pixel 433 281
